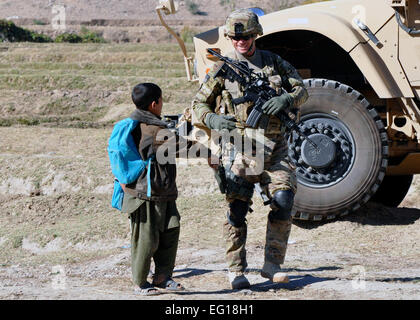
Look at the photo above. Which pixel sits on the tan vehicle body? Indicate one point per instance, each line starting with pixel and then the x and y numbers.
pixel 359 43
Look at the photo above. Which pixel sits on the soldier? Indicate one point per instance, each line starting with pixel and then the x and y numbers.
pixel 278 178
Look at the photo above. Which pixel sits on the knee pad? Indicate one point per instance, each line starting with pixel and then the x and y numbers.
pixel 282 205
pixel 237 213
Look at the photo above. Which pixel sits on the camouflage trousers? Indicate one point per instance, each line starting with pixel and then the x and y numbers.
pixel 277 235
pixel 276 173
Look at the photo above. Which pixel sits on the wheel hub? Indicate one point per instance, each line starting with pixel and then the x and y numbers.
pixel 333 156
pixel 321 156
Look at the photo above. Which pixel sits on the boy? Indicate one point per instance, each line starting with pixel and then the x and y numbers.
pixel 150 200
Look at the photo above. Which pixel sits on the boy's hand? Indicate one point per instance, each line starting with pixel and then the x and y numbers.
pixel 122 186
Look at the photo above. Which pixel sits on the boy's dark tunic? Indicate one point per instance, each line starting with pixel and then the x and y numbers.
pixel 154 221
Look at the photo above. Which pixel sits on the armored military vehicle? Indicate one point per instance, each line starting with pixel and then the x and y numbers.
pixel 360 60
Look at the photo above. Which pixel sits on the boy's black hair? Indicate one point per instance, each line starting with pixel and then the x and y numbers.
pixel 144 94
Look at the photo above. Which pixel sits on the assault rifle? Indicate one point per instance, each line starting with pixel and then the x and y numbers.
pixel 257 90
pixel 181 128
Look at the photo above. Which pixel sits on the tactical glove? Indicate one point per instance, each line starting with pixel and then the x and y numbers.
pixel 219 122
pixel 275 105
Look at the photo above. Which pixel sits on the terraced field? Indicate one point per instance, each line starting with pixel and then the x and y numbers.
pixel 73 85
pixel 58 103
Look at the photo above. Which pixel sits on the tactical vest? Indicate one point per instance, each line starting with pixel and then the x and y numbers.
pixel 263 63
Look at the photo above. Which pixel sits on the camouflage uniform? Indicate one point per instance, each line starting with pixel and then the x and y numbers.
pixel 215 96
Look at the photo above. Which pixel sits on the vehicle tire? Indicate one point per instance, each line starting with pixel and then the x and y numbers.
pixel 348 164
pixel 393 190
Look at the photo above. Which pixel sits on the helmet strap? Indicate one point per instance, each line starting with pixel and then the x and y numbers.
pixel 251 47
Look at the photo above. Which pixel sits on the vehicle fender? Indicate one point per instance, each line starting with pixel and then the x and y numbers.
pixel 379 64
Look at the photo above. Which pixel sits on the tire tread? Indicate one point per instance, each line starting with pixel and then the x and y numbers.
pixel 353 94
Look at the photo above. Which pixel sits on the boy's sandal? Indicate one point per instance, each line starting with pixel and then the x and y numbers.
pixel 170 285
pixel 147 290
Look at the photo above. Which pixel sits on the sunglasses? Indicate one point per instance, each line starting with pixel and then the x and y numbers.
pixel 237 38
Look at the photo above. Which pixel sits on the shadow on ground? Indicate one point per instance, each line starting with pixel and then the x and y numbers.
pixel 296 282
pixel 371 214
pixel 191 272
pixel 407 279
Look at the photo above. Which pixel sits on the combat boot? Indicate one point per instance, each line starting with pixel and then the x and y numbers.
pixel 273 272
pixel 238 280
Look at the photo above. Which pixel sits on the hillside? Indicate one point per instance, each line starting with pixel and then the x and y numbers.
pixel 84 10
pixel 127 20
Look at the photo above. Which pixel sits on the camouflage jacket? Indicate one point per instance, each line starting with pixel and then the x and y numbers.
pixel 215 94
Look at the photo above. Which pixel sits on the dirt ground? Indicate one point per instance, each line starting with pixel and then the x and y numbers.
pixel 73 246
pixel 375 259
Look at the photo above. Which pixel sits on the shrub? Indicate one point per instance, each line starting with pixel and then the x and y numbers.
pixel 228 3
pixel 89 36
pixel 39 22
pixel 17 241
pixel 85 36
pixel 39 37
pixel 68 37
pixel 192 7
pixel 10 32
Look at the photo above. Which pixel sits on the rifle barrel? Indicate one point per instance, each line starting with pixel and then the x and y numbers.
pixel 230 62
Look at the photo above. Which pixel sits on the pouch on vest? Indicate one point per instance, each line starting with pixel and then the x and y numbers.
pixel 126 162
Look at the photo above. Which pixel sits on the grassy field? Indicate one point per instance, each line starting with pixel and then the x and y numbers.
pixel 79 85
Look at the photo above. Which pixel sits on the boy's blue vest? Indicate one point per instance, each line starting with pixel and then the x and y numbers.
pixel 126 162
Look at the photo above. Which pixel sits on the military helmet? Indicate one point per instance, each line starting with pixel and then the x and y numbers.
pixel 242 22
